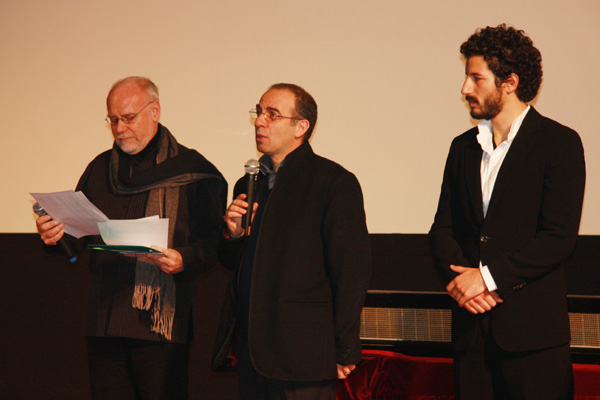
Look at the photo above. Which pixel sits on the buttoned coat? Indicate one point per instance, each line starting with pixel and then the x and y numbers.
pixel 529 231
pixel 312 267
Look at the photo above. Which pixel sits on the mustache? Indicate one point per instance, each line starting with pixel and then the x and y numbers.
pixel 471 99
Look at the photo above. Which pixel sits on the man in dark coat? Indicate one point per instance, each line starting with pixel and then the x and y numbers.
pixel 507 219
pixel 300 276
pixel 139 310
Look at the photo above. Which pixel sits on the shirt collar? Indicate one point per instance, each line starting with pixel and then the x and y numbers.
pixel 266 167
pixel 486 137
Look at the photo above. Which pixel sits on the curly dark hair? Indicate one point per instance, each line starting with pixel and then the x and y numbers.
pixel 306 106
pixel 508 50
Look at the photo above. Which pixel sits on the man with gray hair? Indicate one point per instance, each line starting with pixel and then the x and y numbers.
pixel 139 309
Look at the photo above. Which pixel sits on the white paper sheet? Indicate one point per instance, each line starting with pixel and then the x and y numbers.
pixel 73 209
pixel 150 231
pixel 82 218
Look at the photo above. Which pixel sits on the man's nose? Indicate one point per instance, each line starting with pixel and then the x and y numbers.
pixel 261 120
pixel 121 126
pixel 467 87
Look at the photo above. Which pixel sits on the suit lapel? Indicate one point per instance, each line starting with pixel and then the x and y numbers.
pixel 516 155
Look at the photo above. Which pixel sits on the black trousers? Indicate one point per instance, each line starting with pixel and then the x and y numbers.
pixel 128 369
pixel 254 386
pixel 486 372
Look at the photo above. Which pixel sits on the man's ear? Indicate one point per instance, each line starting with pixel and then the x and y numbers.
pixel 511 83
pixel 155 108
pixel 301 127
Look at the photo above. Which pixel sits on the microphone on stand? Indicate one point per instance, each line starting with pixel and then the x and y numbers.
pixel 39 210
pixel 252 167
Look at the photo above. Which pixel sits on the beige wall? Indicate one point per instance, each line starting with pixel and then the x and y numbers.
pixel 386 76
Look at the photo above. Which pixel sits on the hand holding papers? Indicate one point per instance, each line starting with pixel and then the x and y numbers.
pixel 82 218
pixel 74 210
pixel 134 236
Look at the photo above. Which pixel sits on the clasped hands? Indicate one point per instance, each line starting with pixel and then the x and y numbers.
pixel 470 292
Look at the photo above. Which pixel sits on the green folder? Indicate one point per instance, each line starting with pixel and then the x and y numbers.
pixel 124 249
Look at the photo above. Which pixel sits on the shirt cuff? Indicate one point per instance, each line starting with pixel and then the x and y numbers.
pixel 487 277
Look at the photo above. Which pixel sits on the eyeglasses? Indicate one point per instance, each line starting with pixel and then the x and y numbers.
pixel 269 115
pixel 127 118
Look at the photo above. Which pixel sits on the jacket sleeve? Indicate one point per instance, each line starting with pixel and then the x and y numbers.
pixel 348 259
pixel 206 205
pixel 231 250
pixel 444 234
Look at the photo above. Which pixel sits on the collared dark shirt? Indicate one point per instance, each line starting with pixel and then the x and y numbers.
pixel 266 168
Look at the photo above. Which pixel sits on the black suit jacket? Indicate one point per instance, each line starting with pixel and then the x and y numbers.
pixel 530 229
pixel 312 267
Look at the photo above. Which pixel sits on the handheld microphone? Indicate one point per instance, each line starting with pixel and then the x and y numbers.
pixel 39 210
pixel 251 168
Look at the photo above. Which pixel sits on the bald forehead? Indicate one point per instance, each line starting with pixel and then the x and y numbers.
pixel 125 89
pixel 282 100
pixel 280 92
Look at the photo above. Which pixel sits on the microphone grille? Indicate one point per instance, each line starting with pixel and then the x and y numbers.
pixel 38 209
pixel 251 166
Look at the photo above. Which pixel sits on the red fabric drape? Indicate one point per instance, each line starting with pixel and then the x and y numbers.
pixel 385 375
pixel 587 381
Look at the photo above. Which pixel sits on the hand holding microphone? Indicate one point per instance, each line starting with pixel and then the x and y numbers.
pixel 40 212
pixel 252 167
pixel 239 213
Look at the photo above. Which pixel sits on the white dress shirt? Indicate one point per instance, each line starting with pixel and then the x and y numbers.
pixel 491 161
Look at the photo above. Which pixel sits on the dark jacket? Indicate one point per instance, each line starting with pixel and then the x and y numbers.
pixel 311 271
pixel 109 310
pixel 530 229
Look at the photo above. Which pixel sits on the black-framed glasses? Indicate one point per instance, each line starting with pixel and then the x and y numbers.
pixel 127 118
pixel 269 115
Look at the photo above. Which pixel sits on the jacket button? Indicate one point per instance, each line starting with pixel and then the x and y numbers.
pixel 519 286
pixel 484 238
